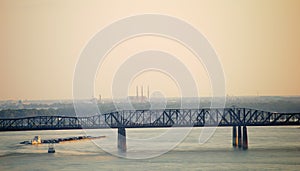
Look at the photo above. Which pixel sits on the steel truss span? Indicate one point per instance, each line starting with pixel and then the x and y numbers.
pixel 155 118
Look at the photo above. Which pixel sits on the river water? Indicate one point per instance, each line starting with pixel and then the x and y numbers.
pixel 270 148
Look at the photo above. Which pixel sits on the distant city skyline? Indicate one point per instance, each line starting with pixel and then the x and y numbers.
pixel 258 44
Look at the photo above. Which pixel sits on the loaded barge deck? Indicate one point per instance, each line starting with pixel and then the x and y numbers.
pixel 38 140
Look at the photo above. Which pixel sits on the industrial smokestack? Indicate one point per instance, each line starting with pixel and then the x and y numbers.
pixel 137 92
pixel 142 92
pixel 148 92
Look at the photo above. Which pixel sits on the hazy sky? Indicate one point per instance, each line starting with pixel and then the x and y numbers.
pixel 258 43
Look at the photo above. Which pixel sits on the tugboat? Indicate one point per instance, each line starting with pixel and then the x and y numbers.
pixel 36 140
pixel 51 148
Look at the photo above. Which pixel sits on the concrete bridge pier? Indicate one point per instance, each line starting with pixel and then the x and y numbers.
pixel 122 147
pixel 245 138
pixel 239 137
pixel 234 137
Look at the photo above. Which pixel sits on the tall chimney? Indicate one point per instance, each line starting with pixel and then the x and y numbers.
pixel 137 92
pixel 142 93
pixel 148 92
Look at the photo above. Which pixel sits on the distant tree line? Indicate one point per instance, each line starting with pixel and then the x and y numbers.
pixel 272 104
pixel 17 113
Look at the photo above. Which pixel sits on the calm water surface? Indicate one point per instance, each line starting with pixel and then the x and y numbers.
pixel 270 148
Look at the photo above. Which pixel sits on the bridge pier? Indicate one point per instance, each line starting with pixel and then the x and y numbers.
pixel 239 137
pixel 122 140
pixel 234 138
pixel 245 138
